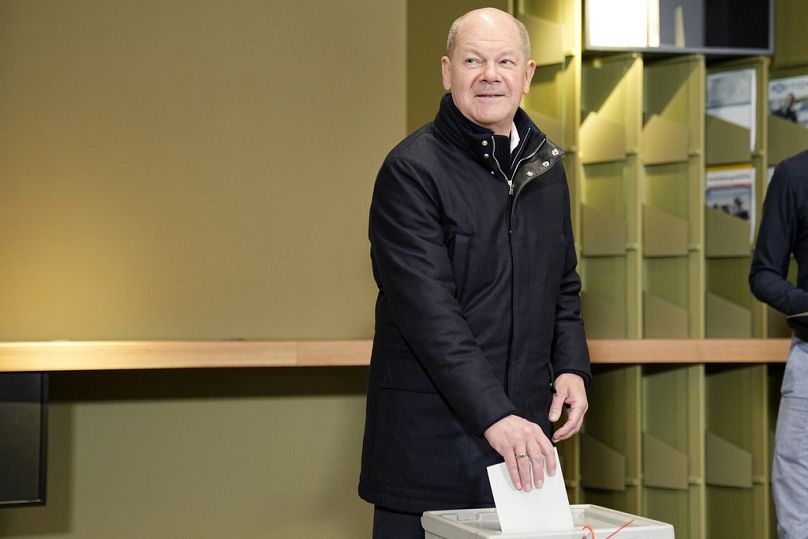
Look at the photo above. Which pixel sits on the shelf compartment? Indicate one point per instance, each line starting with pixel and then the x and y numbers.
pixel 603 318
pixel 732 311
pixel 664 141
pixel 725 234
pixel 726 319
pixel 663 234
pixel 669 188
pixel 674 91
pixel 613 424
pixel 671 421
pixel 663 319
pixel 603 300
pixel 611 91
pixel 737 453
pixel 726 465
pixel 725 142
pixel 603 234
pixel 673 445
pixel 663 466
pixel 564 14
pixel 601 140
pixel 729 278
pixel 736 398
pixel 601 466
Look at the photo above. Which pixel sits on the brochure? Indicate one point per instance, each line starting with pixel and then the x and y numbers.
pixel 788 99
pixel 731 189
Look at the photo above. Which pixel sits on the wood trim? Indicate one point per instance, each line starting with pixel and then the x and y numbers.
pixel 131 355
pixel 689 350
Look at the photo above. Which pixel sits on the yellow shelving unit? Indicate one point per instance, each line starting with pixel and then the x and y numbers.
pixel 673 446
pixel 731 310
pixel 656 263
pixel 611 443
pixel 737 451
pixel 672 196
pixel 608 187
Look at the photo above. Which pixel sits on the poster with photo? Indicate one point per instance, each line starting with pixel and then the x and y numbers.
pixel 788 98
pixel 731 189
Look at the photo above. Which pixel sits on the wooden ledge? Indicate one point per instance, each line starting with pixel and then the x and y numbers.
pixel 122 355
pixel 689 350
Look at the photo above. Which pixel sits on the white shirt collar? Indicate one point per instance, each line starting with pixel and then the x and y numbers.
pixel 514 137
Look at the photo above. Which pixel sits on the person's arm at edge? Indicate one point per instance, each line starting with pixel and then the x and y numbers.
pixel 775 242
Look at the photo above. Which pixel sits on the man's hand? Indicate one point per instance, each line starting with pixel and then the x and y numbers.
pixel 570 393
pixel 525 448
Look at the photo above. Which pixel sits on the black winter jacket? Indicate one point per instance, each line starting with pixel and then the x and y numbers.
pixel 478 308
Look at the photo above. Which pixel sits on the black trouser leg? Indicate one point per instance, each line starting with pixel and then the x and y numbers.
pixel 388 524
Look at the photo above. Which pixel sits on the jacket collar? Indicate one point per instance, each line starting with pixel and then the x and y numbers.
pixel 477 140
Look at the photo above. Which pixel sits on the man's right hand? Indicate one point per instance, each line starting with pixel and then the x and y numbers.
pixel 525 448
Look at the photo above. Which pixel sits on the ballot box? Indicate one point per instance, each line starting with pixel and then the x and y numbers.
pixel 588 520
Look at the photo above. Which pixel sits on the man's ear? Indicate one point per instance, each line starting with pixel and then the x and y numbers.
pixel 530 69
pixel 446 72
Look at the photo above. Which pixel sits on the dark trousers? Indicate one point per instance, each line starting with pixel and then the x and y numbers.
pixel 388 524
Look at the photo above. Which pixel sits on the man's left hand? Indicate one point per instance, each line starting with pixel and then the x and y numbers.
pixel 570 393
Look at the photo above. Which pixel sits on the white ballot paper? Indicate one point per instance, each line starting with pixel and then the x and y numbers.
pixel 545 509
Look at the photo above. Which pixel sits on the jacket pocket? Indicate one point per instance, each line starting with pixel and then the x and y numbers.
pixel 459 255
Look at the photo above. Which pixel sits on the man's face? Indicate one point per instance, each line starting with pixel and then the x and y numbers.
pixel 488 73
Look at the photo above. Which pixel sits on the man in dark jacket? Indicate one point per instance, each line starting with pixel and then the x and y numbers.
pixel 479 342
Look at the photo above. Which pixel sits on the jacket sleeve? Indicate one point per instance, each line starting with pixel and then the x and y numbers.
pixel 570 351
pixel 775 243
pixel 413 269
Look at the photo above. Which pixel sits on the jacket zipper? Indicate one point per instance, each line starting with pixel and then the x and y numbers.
pixel 513 170
pixel 512 197
pixel 494 156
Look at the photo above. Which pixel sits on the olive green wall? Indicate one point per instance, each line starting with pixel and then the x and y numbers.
pixel 202 454
pixel 196 170
pixel 193 170
pixel 789 35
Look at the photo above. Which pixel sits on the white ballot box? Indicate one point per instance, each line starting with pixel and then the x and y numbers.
pixel 588 519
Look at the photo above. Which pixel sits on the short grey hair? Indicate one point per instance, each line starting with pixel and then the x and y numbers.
pixel 455 28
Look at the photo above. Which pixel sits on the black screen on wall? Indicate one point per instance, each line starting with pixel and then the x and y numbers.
pixel 23 438
pixel 738 23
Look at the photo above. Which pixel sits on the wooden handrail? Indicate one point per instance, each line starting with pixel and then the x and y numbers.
pixel 132 355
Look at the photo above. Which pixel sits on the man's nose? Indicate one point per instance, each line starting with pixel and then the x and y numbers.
pixel 491 72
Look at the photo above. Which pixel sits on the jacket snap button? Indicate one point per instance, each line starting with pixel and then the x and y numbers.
pixel 493 173
pixel 555 151
pixel 486 156
pixel 529 173
pixel 546 164
pixel 485 143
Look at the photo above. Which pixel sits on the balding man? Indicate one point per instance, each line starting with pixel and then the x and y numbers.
pixel 479 342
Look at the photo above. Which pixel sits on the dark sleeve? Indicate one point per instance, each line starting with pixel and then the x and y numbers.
pixel 775 243
pixel 570 352
pixel 412 266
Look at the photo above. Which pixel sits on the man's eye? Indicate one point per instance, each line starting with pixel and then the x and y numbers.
pixel 472 60
pixel 507 61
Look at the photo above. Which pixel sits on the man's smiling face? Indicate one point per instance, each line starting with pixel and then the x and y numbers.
pixel 488 72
